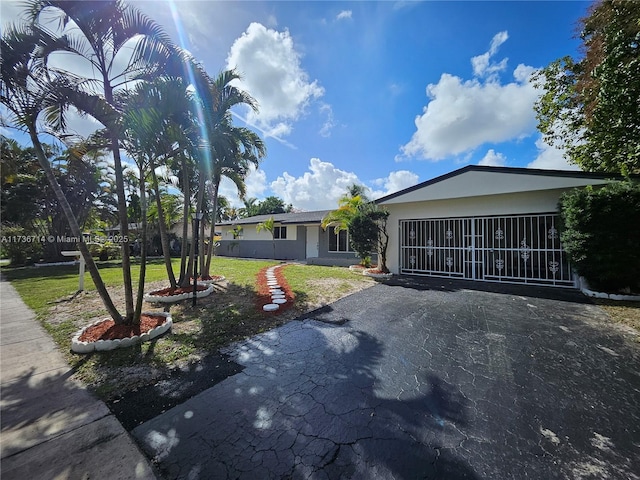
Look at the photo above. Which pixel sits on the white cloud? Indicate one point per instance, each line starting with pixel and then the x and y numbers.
pixel 550 157
pixel 272 73
pixel 317 189
pixel 329 122
pixel 482 65
pixel 321 187
pixel 344 14
pixel 464 114
pixel 396 181
pixel 256 183
pixel 493 159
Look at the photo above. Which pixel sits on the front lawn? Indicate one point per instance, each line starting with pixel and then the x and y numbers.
pixel 229 314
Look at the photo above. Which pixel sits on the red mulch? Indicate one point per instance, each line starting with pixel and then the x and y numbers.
pixel 167 292
pixel 264 295
pixel 108 330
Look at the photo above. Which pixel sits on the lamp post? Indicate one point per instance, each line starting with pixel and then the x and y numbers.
pixel 195 262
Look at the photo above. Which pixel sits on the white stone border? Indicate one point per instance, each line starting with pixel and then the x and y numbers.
pixel 149 297
pixel 211 282
pixel 382 276
pixel 103 345
pixel 584 288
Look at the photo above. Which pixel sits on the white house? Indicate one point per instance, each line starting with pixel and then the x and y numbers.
pixel 497 224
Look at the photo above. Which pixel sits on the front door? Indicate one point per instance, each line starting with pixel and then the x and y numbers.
pixel 313 239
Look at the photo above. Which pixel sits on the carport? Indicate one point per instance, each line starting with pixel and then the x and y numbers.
pixel 492 224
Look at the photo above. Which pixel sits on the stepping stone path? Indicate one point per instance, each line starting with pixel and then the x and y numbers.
pixel 278 297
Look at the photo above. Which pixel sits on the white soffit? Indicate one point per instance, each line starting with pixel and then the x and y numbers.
pixel 480 183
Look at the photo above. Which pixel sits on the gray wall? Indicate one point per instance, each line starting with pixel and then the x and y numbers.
pixel 339 258
pixel 285 249
pixel 288 250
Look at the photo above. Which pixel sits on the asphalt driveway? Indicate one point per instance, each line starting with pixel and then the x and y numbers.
pixel 425 379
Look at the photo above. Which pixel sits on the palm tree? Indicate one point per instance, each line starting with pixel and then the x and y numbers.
pixel 250 208
pixel 231 150
pixel 348 206
pixel 25 90
pixel 157 121
pixel 269 226
pixel 105 30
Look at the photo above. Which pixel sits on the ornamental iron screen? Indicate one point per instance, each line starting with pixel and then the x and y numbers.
pixel 514 249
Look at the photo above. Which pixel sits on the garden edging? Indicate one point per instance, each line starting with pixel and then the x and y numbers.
pixel 78 346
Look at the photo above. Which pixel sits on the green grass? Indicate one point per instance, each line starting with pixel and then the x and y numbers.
pixel 228 315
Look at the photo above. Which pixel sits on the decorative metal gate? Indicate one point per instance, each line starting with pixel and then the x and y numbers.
pixel 515 249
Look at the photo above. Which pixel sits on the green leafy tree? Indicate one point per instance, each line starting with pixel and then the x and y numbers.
pixel 368 232
pixel 272 205
pixel 601 233
pixel 591 106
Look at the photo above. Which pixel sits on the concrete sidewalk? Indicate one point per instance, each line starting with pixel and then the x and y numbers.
pixel 51 426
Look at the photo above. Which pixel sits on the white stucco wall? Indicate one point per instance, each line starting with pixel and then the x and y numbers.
pixel 487 205
pixel 481 183
pixel 249 232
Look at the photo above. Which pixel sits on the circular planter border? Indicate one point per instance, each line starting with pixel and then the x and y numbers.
pixel 380 276
pixel 104 345
pixel 218 279
pixel 149 297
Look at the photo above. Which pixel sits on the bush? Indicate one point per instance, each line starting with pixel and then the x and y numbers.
pixel 601 234
pixel 19 245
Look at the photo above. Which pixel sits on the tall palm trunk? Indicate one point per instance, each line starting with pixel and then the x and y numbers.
pixel 122 210
pixel 186 281
pixel 206 272
pixel 75 228
pixel 143 249
pixel 200 208
pixel 164 237
pixel 186 191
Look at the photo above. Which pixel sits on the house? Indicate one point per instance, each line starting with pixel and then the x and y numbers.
pixel 492 224
pixel 297 236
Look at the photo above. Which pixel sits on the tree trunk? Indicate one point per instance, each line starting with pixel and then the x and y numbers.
pixel 143 250
pixel 200 208
pixel 122 205
pixel 164 237
pixel 124 230
pixel 207 268
pixel 75 229
pixel 185 222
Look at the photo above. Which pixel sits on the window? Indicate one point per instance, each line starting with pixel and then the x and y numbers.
pixel 280 233
pixel 339 242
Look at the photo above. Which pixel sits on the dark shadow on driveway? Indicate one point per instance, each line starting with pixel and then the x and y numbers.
pixel 454 284
pixel 398 382
pixel 310 404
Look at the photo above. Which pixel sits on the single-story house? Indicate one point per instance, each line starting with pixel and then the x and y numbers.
pixel 497 224
pixel 492 224
pixel 297 236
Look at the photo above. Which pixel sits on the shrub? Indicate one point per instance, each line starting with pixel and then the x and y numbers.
pixel 601 234
pixel 19 245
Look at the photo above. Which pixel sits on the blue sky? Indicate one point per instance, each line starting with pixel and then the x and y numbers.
pixel 386 94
